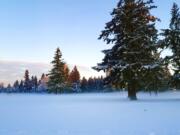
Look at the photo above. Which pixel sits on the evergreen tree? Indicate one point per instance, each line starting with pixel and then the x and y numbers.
pixel 99 83
pixel 172 41
pixel 96 83
pixel 91 84
pixel 2 87
pixel 21 86
pixel 9 88
pixel 34 83
pixel 57 79
pixel 42 85
pixel 66 72
pixel 42 76
pixel 74 79
pixel 74 76
pixel 132 58
pixel 84 84
pixel 27 82
pixel 16 86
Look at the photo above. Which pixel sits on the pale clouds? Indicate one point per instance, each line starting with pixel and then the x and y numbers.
pixel 14 70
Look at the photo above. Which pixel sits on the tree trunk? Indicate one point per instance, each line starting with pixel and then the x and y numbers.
pixel 132 92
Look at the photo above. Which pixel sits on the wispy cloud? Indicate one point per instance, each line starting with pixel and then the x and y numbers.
pixel 14 70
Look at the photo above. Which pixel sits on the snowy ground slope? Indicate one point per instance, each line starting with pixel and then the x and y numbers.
pixel 90 114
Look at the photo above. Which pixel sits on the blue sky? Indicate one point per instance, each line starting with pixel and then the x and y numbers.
pixel 31 30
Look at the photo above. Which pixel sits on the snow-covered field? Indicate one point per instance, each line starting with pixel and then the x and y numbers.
pixel 90 114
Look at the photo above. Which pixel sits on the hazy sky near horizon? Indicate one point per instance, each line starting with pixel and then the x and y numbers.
pixel 31 30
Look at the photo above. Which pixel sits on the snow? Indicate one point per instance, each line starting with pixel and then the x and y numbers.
pixel 152 66
pixel 90 114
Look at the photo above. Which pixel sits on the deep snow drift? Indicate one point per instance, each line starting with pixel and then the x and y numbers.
pixel 90 114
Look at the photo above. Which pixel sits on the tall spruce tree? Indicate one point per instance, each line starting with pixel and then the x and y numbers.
pixel 74 76
pixel 172 42
pixel 56 83
pixel 27 82
pixel 133 35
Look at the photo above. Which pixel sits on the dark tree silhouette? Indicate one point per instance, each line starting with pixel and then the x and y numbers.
pixel 133 35
pixel 172 42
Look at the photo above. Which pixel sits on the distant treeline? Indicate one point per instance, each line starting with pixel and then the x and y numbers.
pixel 35 85
pixel 61 80
pixel 134 61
